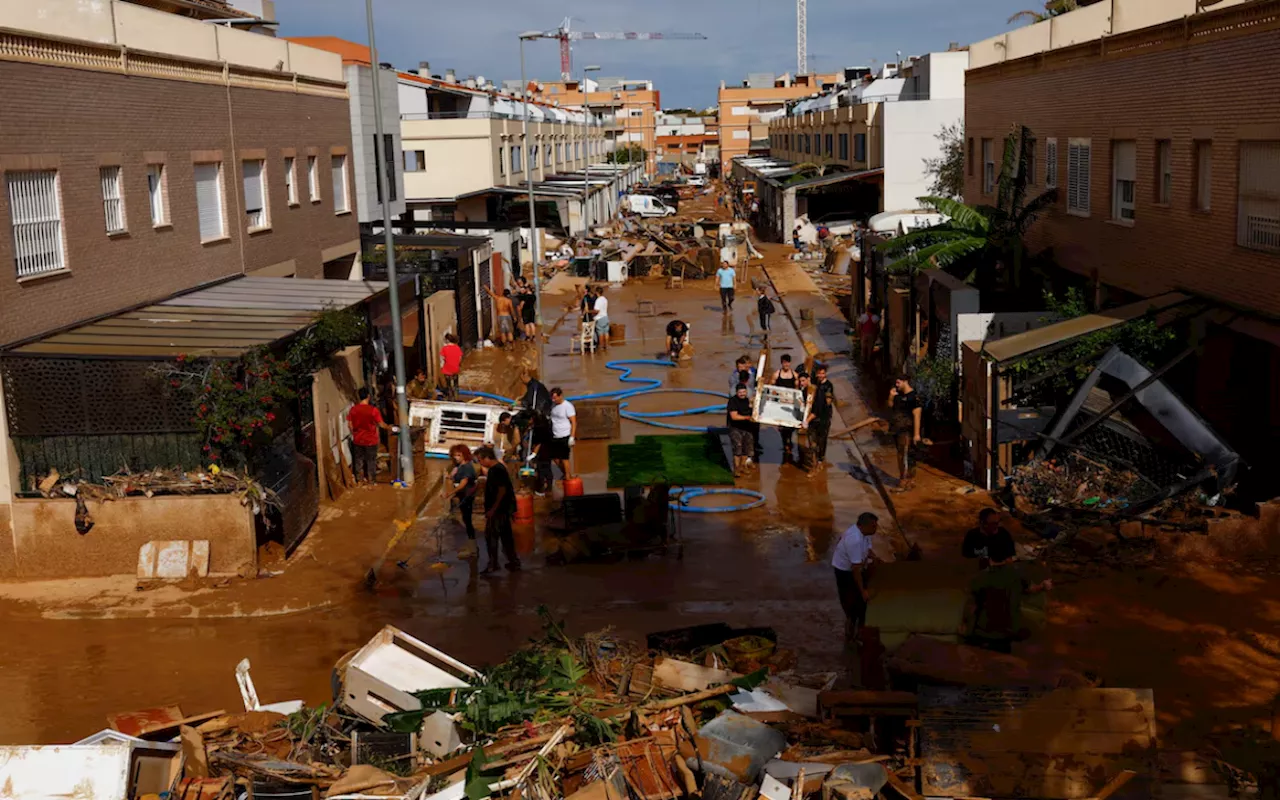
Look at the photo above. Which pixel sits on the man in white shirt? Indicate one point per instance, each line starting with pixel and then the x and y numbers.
pixel 564 430
pixel 601 309
pixel 850 560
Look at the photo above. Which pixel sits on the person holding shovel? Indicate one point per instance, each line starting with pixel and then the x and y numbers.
pixel 851 561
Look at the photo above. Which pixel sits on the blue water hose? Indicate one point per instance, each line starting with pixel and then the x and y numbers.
pixel 682 496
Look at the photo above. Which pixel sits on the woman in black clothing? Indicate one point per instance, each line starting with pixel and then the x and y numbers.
pixel 786 377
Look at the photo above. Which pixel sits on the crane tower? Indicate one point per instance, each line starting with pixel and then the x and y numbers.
pixel 802 39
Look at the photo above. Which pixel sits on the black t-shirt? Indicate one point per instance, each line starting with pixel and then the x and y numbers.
pixel 743 406
pixel 824 401
pixel 901 416
pixel 498 478
pixel 466 470
pixel 978 545
pixel 673 332
pixel 764 305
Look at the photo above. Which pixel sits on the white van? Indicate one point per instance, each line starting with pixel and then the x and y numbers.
pixel 647 205
pixel 696 180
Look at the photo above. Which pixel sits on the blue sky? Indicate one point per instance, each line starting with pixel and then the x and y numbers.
pixel 479 37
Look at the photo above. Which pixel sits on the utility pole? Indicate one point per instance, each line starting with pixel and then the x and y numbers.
pixel 403 439
pixel 586 140
pixel 534 244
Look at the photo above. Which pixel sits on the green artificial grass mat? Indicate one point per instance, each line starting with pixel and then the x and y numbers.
pixel 695 459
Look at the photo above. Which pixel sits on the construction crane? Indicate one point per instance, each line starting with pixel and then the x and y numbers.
pixel 565 35
pixel 802 38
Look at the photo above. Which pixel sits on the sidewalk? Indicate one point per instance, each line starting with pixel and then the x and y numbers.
pixel 326 570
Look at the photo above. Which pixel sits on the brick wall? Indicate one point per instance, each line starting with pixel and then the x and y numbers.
pixel 78 120
pixel 1216 88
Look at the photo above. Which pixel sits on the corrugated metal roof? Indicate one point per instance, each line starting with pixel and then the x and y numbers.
pixel 221 321
pixel 838 177
pixel 1021 344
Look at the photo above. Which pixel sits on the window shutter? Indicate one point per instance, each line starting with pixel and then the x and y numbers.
pixel 1085 172
pixel 1259 212
pixel 1051 163
pixel 36 211
pixel 209 201
pixel 1073 176
pixel 112 202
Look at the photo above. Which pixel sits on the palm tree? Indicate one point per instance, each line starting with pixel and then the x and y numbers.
pixel 985 245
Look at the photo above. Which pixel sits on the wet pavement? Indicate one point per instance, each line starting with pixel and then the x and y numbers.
pixel 1198 634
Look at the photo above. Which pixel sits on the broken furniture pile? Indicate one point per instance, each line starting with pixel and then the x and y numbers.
pixel 707 712
pixel 637 248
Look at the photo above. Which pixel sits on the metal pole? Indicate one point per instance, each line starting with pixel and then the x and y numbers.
pixel 533 225
pixel 403 439
pixel 586 161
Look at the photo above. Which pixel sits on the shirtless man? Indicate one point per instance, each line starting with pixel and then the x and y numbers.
pixel 506 315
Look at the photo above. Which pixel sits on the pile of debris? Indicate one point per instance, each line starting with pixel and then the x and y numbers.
pixel 711 712
pixel 640 248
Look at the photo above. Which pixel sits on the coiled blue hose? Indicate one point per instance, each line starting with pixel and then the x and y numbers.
pixel 682 496
pixel 652 386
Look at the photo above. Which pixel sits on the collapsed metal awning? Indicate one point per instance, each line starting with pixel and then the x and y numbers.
pixel 221 321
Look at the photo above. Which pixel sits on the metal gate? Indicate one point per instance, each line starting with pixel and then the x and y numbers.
pixel 464 299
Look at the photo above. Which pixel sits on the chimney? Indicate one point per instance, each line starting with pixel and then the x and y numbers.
pixel 424 67
pixel 450 76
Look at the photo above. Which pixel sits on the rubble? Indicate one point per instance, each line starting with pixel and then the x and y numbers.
pixel 588 718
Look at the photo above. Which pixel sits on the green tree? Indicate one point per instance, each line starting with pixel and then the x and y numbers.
pixel 983 245
pixel 946 172
pixel 628 154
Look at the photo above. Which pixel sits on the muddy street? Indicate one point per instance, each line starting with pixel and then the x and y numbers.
pixel 94 648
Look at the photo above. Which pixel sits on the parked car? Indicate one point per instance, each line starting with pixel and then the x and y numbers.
pixel 646 205
pixel 696 180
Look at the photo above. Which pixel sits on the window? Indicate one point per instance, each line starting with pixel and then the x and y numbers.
pixel 1259 210
pixel 502 160
pixel 516 165
pixel 860 147
pixel 341 204
pixel 112 199
pixel 209 202
pixel 35 207
pixel 1204 174
pixel 255 194
pixel 969 157
pixel 1079 162
pixel 291 180
pixel 844 147
pixel 1124 171
pixel 533 156
pixel 415 160
pixel 559 153
pixel 384 167
pixel 1164 171
pixel 1050 163
pixel 156 193
pixel 829 148
pixel 546 157
pixel 808 143
pixel 313 179
pixel 988 166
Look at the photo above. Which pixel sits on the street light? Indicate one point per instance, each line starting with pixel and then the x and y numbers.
pixel 533 226
pixel 404 441
pixel 586 159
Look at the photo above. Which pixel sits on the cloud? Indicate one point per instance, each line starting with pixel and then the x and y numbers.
pixel 479 37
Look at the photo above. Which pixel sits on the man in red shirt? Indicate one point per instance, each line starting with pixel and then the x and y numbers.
pixel 450 365
pixel 365 420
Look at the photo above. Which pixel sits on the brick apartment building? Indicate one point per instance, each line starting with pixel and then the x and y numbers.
pixel 746 110
pixel 1157 123
pixel 145 153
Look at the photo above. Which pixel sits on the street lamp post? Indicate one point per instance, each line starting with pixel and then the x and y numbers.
pixel 586 144
pixel 404 441
pixel 534 247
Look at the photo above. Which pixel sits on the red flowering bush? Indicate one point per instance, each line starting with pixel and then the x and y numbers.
pixel 233 401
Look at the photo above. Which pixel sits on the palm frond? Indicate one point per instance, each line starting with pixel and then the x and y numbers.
pixel 1028 213
pixel 1033 16
pixel 940 254
pixel 917 240
pixel 962 216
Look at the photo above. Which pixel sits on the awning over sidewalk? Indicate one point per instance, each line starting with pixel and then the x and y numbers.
pixel 222 321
